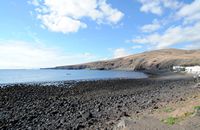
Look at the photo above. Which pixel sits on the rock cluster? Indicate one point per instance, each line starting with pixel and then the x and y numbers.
pixel 86 105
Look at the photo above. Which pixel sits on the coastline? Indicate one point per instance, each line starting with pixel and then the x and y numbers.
pixel 149 74
pixel 97 104
pixel 61 76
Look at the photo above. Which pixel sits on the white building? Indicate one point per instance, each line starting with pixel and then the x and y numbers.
pixel 193 69
pixel 178 68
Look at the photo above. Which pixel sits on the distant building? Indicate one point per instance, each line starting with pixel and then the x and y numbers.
pixel 178 68
pixel 193 69
pixel 189 69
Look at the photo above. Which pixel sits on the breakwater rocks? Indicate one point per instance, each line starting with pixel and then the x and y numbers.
pixel 86 105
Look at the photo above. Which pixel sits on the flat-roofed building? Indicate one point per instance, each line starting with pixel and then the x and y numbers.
pixel 193 69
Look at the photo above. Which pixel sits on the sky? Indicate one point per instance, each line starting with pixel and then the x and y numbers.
pixel 46 33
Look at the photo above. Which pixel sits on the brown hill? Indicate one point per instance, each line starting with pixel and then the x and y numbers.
pixel 152 60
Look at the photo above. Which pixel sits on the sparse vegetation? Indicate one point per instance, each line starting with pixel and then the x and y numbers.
pixel 174 120
pixel 168 109
pixel 197 107
pixel 187 114
pixel 170 120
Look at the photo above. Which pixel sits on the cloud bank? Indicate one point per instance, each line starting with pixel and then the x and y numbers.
pixel 120 52
pixel 186 32
pixel 20 55
pixel 158 6
pixel 68 16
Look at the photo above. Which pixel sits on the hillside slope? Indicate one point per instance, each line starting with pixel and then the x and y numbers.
pixel 153 60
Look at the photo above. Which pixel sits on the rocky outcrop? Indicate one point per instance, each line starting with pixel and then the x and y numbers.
pixel 152 60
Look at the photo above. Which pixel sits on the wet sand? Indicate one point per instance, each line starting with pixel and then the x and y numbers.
pixel 88 105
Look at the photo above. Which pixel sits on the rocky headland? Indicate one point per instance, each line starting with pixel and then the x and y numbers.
pixel 156 60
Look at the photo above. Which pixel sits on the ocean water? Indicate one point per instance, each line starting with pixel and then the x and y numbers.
pixel 48 75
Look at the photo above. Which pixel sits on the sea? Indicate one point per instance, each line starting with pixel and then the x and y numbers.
pixel 10 76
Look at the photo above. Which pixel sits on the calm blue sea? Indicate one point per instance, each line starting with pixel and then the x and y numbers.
pixel 46 75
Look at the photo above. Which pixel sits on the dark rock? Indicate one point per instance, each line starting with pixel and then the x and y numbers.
pixel 86 105
pixel 125 114
pixel 80 126
pixel 87 115
pixel 155 107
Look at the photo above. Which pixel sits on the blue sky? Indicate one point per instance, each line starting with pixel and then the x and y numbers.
pixel 44 33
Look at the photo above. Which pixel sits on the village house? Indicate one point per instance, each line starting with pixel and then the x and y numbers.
pixel 189 69
pixel 193 69
pixel 178 68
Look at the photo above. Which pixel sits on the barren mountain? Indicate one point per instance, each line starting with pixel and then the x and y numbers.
pixel 152 60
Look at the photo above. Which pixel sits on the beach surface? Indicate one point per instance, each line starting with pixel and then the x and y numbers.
pixel 120 104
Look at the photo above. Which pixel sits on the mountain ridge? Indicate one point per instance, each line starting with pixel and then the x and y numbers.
pixel 163 59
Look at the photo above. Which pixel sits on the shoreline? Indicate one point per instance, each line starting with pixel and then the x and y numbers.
pixel 149 74
pixel 75 80
pixel 87 105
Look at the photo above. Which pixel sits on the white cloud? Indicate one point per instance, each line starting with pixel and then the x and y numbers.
pixel 172 4
pixel 151 27
pixel 109 14
pixel 136 47
pixel 157 6
pixel 187 31
pixel 20 54
pixel 67 15
pixel 190 12
pixel 172 36
pixel 151 6
pixel 61 23
pixel 34 2
pixel 192 46
pixel 120 52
